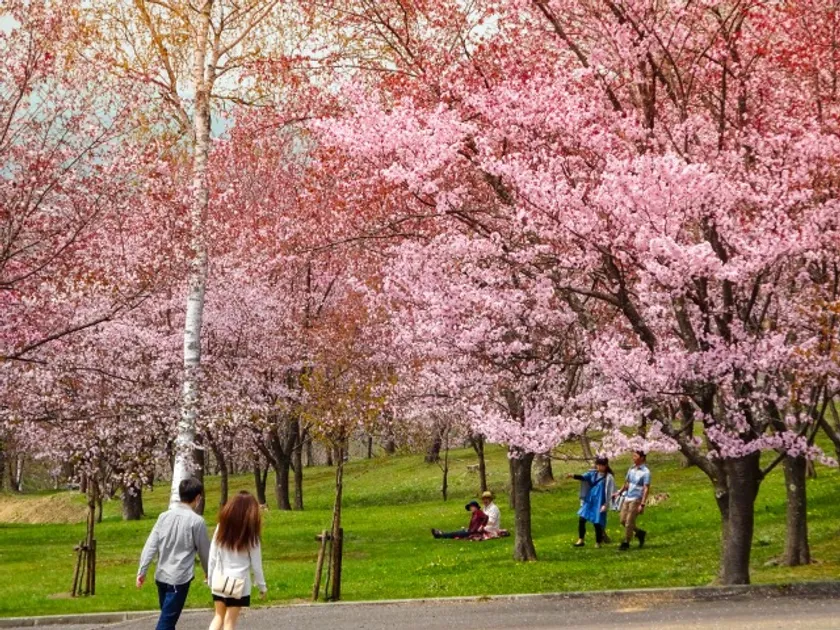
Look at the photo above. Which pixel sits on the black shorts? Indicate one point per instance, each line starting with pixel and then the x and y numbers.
pixel 243 602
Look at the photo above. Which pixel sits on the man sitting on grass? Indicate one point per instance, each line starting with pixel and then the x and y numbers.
pixel 478 521
pixel 177 536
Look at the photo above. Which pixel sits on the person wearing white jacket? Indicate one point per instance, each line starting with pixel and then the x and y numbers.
pixel 235 553
pixel 494 515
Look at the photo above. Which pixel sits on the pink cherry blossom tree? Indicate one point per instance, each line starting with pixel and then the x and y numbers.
pixel 81 238
pixel 63 182
pixel 666 174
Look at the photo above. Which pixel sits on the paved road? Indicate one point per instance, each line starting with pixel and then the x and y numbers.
pixel 533 612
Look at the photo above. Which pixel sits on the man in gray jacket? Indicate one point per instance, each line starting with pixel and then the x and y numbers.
pixel 177 537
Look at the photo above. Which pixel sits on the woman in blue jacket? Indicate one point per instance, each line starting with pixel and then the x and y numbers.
pixel 596 503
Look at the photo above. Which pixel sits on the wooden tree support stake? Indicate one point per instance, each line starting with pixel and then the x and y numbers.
pixel 319 566
pixel 337 550
pixel 84 574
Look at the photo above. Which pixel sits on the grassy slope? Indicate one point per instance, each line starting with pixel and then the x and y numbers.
pixel 390 506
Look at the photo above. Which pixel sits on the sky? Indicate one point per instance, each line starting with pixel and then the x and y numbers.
pixel 6 23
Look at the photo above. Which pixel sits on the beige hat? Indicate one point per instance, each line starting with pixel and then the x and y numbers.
pixel 487 495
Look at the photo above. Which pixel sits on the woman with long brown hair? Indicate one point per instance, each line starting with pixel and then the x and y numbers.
pixel 234 553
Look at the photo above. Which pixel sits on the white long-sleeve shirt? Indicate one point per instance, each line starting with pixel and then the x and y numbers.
pixel 237 564
pixel 494 517
pixel 177 536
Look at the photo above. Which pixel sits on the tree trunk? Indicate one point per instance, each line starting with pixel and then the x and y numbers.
pixel 280 452
pixel 337 532
pixel 689 433
pixel 586 447
pixel 200 459
pixel 132 503
pixel 722 501
pixel 545 475
pixel 390 446
pixel 478 446
pixel 224 484
pixel 90 538
pixel 170 453
pixel 444 487
pixel 433 452
pixel 742 481
pixel 523 545
pixel 260 481
pixel 297 460
pixel 833 431
pixel 329 456
pixel 197 279
pixel 298 468
pixel 370 447
pixel 797 550
pixel 2 465
pixel 16 466
pixel 512 483
pixel 736 482
pixel 281 485
pixel 223 466
pixel 310 457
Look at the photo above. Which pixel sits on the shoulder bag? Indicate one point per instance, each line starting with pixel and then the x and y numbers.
pixel 617 501
pixel 225 585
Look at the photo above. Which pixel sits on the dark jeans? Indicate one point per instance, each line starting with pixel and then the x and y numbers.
pixel 172 599
pixel 599 531
pixel 461 533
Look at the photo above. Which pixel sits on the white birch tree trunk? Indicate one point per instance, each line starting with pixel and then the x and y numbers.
pixel 18 480
pixel 202 81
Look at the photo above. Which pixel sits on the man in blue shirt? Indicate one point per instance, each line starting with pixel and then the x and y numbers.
pixel 637 486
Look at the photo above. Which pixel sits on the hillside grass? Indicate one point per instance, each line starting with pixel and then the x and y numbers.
pixel 390 505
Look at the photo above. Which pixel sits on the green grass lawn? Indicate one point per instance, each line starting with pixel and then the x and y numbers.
pixel 390 505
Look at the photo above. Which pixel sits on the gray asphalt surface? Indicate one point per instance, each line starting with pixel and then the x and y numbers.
pixel 655 613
